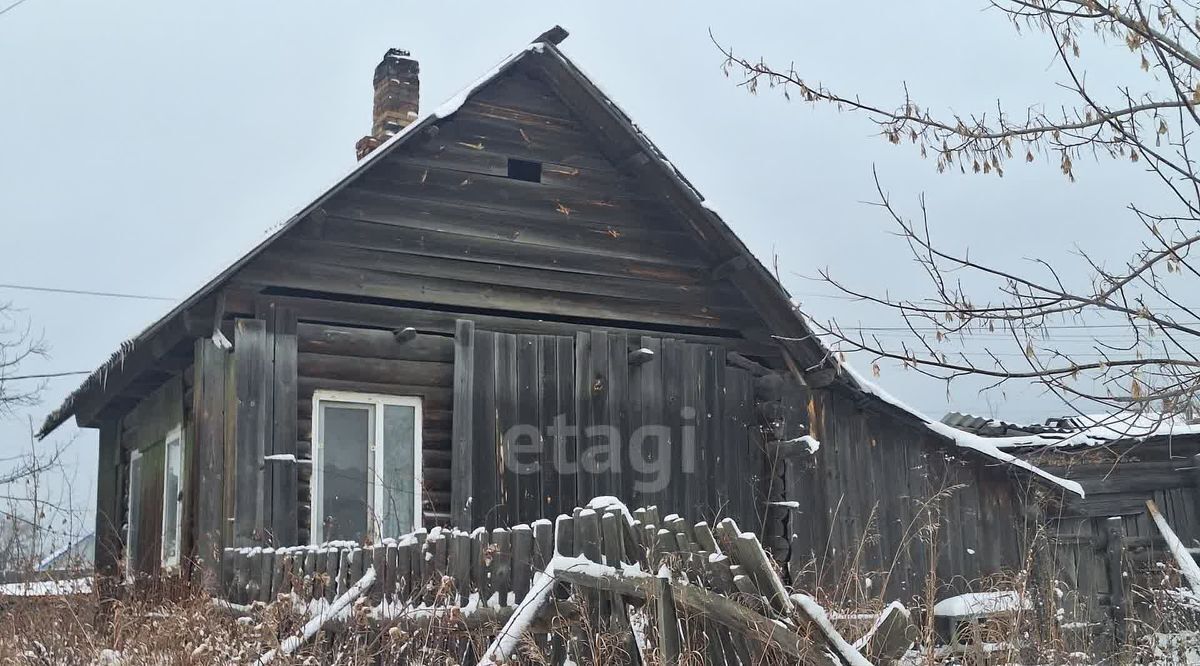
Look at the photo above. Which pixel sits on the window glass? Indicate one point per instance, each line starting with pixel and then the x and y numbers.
pixel 397 476
pixel 366 484
pixel 171 500
pixel 346 433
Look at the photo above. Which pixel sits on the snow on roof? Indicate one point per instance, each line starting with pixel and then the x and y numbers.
pixel 77 548
pixel 100 376
pixel 1078 431
pixel 447 109
pixel 969 442
pixel 987 446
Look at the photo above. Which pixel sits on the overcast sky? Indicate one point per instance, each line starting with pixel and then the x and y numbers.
pixel 145 145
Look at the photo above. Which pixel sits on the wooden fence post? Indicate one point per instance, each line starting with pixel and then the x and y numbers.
pixel 668 623
pixel 1114 529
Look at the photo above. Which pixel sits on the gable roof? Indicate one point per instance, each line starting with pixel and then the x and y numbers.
pixel 115 363
pixel 804 351
pixel 738 257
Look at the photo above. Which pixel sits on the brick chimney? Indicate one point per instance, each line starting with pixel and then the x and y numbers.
pixel 397 95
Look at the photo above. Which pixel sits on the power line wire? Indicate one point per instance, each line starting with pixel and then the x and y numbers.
pixel 46 375
pixel 84 292
pixel 11 7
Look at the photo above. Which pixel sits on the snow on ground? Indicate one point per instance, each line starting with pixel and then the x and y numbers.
pixel 976 604
pixel 47 588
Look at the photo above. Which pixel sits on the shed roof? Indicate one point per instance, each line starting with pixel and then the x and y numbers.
pixel 1077 431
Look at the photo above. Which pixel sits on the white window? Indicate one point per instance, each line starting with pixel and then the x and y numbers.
pixel 134 513
pixel 172 517
pixel 366 467
pixel 170 452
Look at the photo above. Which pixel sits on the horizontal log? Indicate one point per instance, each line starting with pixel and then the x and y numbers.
pixel 433 397
pixel 277 270
pixel 451 152
pixel 551 227
pixel 535 210
pixel 519 93
pixel 542 141
pixel 1105 505
pixel 411 261
pixel 449 244
pixel 1128 477
pixel 326 307
pixel 372 343
pixel 402 178
pixel 375 370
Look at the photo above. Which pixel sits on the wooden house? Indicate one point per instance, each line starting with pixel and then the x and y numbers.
pixel 511 305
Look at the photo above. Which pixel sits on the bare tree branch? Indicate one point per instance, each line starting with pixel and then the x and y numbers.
pixel 1139 309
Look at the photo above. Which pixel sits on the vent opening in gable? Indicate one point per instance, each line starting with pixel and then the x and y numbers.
pixel 525 170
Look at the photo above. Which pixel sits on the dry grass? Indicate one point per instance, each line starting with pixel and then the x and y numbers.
pixel 193 631
pixel 1164 628
pixel 63 630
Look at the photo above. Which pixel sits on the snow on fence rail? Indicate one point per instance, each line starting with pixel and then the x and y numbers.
pixel 602 564
pixel 492 568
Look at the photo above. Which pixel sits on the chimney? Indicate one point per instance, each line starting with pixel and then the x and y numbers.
pixel 397 94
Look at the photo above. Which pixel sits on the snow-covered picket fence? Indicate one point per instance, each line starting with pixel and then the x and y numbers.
pixel 595 568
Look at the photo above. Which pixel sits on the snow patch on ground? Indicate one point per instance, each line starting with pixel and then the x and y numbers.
pixel 47 588
pixel 978 604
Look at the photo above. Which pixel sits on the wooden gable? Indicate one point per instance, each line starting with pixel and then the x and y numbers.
pixel 440 221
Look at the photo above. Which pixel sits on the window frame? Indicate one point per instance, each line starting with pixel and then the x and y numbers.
pixel 375 456
pixel 131 521
pixel 175 434
pixel 135 456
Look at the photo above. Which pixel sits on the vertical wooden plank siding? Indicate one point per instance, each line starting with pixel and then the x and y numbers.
pixel 598 458
pixel 108 502
pixel 654 445
pixel 585 382
pixel 462 454
pixel 672 412
pixel 250 374
pixel 527 443
pixel 693 417
pixel 616 416
pixel 484 501
pixel 568 483
pixel 695 430
pixel 284 521
pixel 717 436
pixel 208 414
pixel 506 418
pixel 875 486
pixel 551 500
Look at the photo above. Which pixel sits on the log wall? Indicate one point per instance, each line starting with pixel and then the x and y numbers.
pixel 370 360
